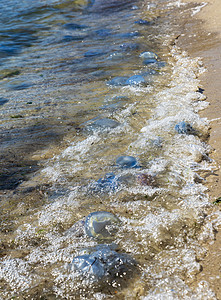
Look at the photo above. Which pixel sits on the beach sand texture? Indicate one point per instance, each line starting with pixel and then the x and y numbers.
pixel 202 38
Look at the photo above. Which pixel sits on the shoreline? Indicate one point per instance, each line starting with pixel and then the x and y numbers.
pixel 42 211
pixel 202 38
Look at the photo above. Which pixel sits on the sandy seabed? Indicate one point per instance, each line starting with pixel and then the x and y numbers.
pixel 202 38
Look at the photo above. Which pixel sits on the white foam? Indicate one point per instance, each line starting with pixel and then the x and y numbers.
pixel 197 9
pixel 17 273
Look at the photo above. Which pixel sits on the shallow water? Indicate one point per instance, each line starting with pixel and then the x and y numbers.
pixel 58 60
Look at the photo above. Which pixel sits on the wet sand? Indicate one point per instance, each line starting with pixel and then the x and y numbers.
pixel 202 38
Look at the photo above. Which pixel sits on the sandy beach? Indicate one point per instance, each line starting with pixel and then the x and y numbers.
pixel 202 38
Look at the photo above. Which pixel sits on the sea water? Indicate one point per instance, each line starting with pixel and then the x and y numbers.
pixel 99 112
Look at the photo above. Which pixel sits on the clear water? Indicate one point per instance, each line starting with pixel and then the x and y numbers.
pixel 54 85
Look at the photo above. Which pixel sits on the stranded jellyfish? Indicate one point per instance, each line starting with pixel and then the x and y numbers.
pixel 126 162
pixel 184 128
pixel 102 264
pixel 101 225
pixel 107 183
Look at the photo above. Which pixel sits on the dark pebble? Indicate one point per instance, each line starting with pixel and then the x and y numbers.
pixel 16 116
pixel 200 90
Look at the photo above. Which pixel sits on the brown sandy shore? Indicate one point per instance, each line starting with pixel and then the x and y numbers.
pixel 202 38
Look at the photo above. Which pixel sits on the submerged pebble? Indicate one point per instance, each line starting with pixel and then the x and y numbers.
pixel 103 264
pixel 184 128
pixel 126 162
pixel 136 80
pixel 101 225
